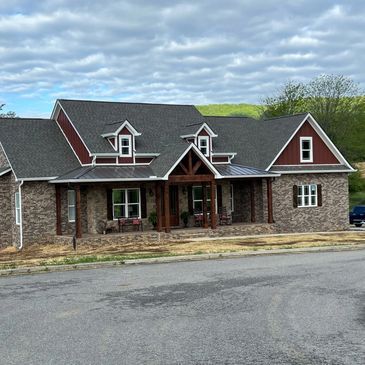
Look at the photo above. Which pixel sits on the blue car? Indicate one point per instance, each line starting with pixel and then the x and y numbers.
pixel 357 216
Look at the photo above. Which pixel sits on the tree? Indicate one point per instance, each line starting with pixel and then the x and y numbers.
pixel 8 114
pixel 289 99
pixel 335 101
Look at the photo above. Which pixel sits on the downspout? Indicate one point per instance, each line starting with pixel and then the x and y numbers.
pixel 21 216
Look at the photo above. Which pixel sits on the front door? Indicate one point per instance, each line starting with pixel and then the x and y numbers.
pixel 174 207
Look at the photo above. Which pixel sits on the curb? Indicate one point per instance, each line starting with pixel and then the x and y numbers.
pixel 183 258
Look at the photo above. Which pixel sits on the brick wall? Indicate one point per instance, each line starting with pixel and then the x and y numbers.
pixel 39 211
pixel 331 216
pixel 6 236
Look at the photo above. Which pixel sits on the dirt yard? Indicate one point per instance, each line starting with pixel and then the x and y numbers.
pixel 35 255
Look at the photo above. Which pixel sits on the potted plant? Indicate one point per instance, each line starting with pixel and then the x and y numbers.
pixel 185 218
pixel 152 218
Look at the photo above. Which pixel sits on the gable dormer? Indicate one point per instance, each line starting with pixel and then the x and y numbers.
pixel 121 135
pixel 202 138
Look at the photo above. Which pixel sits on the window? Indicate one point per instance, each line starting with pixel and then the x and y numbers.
pixel 203 145
pixel 71 203
pixel 125 143
pixel 306 150
pixel 307 195
pixel 126 203
pixel 198 198
pixel 231 198
pixel 17 208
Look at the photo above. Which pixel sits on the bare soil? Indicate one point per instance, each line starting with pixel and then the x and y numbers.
pixel 35 255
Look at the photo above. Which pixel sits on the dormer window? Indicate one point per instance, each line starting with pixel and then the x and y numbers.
pixel 125 145
pixel 203 145
pixel 306 149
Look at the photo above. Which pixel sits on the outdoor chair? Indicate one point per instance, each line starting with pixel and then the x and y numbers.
pixel 136 223
pixel 225 217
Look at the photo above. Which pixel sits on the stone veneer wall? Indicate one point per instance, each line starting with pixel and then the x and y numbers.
pixel 331 216
pixel 242 200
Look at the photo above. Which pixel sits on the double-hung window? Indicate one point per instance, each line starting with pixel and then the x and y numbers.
pixel 306 149
pixel 126 203
pixel 71 203
pixel 198 199
pixel 125 145
pixel 17 208
pixel 307 195
pixel 203 145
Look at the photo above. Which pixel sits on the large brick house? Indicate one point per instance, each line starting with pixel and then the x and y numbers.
pixel 93 162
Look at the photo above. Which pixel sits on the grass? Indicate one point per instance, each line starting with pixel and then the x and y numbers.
pixel 249 110
pixel 44 255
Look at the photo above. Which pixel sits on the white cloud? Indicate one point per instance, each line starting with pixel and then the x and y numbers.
pixel 163 51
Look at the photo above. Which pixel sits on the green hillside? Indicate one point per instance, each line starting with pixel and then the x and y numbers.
pixel 249 110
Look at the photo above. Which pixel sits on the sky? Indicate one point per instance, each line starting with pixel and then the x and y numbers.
pixel 165 51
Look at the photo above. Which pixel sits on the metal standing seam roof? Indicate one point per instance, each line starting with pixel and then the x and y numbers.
pixel 340 168
pixel 4 170
pixel 107 173
pixel 234 170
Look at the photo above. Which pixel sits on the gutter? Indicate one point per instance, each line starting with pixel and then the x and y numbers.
pixel 21 216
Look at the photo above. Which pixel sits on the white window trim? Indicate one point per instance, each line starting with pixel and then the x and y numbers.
pixel 310 195
pixel 231 197
pixel 72 206
pixel 127 203
pixel 304 139
pixel 129 137
pixel 18 209
pixel 204 138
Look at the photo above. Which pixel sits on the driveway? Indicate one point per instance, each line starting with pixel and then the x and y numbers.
pixel 284 309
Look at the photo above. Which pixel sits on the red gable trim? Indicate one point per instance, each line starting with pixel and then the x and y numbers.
pixel 73 138
pixel 321 153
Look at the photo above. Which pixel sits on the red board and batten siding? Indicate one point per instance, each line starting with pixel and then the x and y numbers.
pixel 125 130
pixel 73 138
pixel 321 153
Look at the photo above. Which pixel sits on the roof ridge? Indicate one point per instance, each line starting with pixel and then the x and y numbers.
pixel 126 102
pixel 26 118
pixel 287 116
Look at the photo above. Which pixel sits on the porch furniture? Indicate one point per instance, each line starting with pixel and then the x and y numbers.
pixel 198 219
pixel 136 223
pixel 225 217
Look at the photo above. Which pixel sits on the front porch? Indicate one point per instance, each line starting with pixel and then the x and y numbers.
pixel 176 235
pixel 192 189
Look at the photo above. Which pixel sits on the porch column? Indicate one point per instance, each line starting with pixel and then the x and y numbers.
pixel 269 201
pixel 158 206
pixel 253 205
pixel 78 212
pixel 58 210
pixel 204 198
pixel 166 201
pixel 213 213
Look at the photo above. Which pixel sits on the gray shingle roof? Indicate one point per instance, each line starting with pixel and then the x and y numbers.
pixel 256 142
pixel 160 124
pixel 36 148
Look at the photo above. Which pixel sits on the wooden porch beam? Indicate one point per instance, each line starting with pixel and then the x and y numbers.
pixel 190 159
pixel 158 206
pixel 196 166
pixel 204 198
pixel 184 168
pixel 58 211
pixel 166 200
pixel 213 212
pixel 78 212
pixel 190 178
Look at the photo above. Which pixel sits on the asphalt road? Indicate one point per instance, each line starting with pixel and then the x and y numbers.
pixel 284 309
